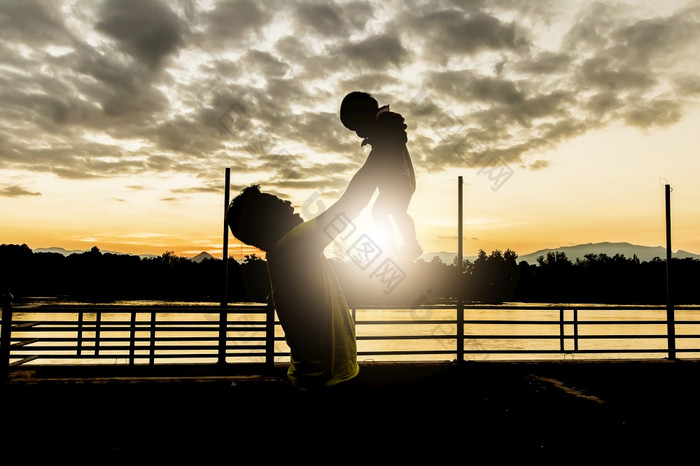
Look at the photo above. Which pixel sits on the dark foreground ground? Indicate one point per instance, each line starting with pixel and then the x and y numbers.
pixel 488 412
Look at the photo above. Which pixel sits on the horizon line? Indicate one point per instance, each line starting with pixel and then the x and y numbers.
pixel 432 253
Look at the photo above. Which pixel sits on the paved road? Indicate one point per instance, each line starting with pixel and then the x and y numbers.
pixel 493 411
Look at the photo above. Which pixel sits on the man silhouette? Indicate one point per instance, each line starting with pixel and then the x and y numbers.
pixel 306 293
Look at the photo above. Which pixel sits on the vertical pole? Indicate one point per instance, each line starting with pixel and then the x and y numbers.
pixel 460 303
pixel 152 358
pixel 561 330
pixel 98 321
pixel 270 335
pixel 79 341
pixel 670 317
pixel 575 329
pixel 227 190
pixel 6 337
pixel 223 316
pixel 132 339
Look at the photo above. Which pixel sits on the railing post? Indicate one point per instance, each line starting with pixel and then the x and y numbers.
pixel 223 315
pixel 561 330
pixel 98 321
pixel 670 317
pixel 460 302
pixel 223 324
pixel 79 342
pixel 6 337
pixel 227 190
pixel 575 329
pixel 132 339
pixel 270 336
pixel 152 357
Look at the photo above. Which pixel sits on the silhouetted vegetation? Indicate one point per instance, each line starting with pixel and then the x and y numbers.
pixel 490 278
pixel 98 276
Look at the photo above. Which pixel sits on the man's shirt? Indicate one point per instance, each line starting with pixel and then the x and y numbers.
pixel 312 309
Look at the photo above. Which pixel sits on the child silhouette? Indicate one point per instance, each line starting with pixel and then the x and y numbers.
pixel 390 163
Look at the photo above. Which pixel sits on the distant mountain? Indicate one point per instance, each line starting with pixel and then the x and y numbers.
pixel 59 251
pixel 643 253
pixel 68 252
pixel 579 251
pixel 202 256
pixel 198 258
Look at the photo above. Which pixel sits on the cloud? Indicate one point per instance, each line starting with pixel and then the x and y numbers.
pixel 602 73
pixel 128 87
pixel 376 52
pixel 473 87
pixel 373 82
pixel 146 29
pixel 264 63
pixel 186 136
pixel 232 22
pixel 463 31
pixel 660 112
pixel 33 22
pixel 16 191
pixel 211 188
pixel 330 19
pixel 544 63
pixel 613 65
pixel 538 165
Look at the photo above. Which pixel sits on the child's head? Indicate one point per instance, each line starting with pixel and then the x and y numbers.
pixel 357 111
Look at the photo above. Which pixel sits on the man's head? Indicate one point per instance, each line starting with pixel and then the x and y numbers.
pixel 357 112
pixel 260 219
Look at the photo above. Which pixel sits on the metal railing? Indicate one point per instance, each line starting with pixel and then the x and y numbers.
pixel 243 334
pixel 543 332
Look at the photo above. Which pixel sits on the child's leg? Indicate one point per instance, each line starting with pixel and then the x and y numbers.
pixel 380 215
pixel 407 227
pixel 411 249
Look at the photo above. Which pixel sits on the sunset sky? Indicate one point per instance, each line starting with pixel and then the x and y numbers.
pixel 565 118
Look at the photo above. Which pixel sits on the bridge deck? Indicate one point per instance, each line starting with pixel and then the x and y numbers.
pixel 391 411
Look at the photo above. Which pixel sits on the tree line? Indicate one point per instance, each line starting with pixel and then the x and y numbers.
pixel 597 278
pixel 499 277
pixel 97 276
pixel 490 278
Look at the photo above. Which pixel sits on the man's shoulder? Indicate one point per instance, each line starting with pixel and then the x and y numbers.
pixel 302 234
